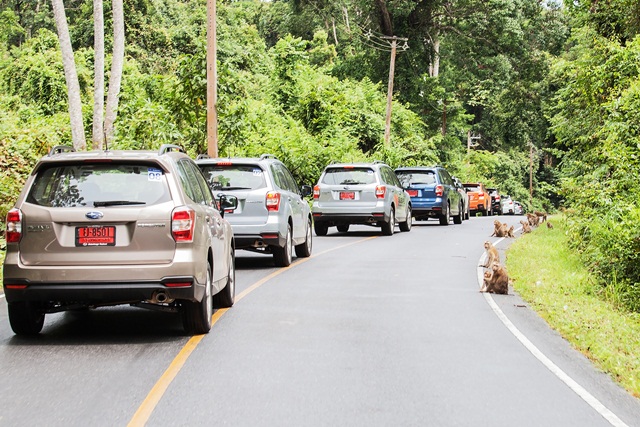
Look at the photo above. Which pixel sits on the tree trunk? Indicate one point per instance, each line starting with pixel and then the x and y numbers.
pixel 434 67
pixel 117 64
pixel 98 86
pixel 385 18
pixel 71 76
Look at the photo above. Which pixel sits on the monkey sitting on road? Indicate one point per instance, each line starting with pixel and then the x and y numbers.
pixel 491 254
pixel 549 225
pixel 526 228
pixel 499 229
pixel 497 282
pixel 510 231
pixel 534 220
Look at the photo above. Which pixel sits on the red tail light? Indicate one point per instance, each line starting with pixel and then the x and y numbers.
pixel 481 194
pixel 13 233
pixel 273 201
pixel 439 190
pixel 380 191
pixel 316 192
pixel 183 221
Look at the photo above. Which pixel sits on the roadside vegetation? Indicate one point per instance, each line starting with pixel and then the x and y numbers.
pixel 553 279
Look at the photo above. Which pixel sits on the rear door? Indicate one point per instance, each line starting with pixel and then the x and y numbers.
pixel 347 189
pixel 108 213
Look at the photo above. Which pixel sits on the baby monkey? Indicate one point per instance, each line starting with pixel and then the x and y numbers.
pixel 496 280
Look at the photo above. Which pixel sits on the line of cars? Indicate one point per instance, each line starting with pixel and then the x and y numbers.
pixel 159 230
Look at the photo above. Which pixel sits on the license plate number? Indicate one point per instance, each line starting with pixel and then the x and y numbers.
pixel 104 235
pixel 347 195
pixel 413 193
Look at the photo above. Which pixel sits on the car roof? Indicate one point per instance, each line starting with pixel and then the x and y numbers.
pixel 203 158
pixel 418 168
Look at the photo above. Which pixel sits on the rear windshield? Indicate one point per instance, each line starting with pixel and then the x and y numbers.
pixel 472 187
pixel 408 178
pixel 101 184
pixel 234 177
pixel 349 176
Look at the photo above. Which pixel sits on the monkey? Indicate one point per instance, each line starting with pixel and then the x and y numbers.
pixel 533 220
pixel 485 281
pixel 526 228
pixel 491 253
pixel 510 231
pixel 541 215
pixel 549 225
pixel 499 229
pixel 498 283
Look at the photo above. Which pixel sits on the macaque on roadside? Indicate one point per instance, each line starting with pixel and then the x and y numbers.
pixel 492 254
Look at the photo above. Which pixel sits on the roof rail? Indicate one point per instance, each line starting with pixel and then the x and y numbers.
pixel 378 162
pixel 202 156
pixel 268 156
pixel 61 149
pixel 165 148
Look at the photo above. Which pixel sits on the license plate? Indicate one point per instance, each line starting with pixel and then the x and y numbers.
pixel 347 195
pixel 413 193
pixel 100 235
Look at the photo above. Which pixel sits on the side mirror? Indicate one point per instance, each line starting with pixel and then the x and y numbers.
pixel 306 190
pixel 227 203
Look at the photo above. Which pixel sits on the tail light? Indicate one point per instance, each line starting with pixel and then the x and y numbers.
pixel 380 191
pixel 273 201
pixel 439 190
pixel 481 194
pixel 13 233
pixel 183 221
pixel 316 192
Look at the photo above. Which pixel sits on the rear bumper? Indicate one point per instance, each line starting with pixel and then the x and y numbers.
pixel 331 220
pixel 101 293
pixel 255 241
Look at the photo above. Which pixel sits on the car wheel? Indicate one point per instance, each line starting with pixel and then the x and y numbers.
pixel 406 225
pixel 457 219
pixel 343 228
pixel 196 316
pixel 304 250
pixel 444 218
pixel 25 318
pixel 320 229
pixel 389 227
pixel 467 215
pixel 227 296
pixel 283 256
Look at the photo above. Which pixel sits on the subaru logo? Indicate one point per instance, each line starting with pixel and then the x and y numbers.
pixel 94 215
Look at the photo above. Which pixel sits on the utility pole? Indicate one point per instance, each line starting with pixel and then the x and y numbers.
pixel 470 139
pixel 530 173
pixel 212 81
pixel 394 43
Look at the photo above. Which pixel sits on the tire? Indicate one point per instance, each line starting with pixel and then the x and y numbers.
pixel 467 214
pixel 283 256
pixel 320 229
pixel 25 318
pixel 343 228
pixel 303 250
pixel 389 227
pixel 457 219
pixel 196 316
pixel 444 218
pixel 227 296
pixel 406 225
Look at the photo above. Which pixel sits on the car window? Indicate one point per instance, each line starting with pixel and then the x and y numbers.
pixel 291 180
pixel 233 177
pixel 473 187
pixel 417 177
pixel 189 182
pixel 349 176
pixel 446 178
pixel 99 184
pixel 283 178
pixel 206 190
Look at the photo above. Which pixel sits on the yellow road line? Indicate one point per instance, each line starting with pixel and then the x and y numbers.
pixel 145 410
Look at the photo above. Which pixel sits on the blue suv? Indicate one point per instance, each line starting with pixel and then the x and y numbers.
pixel 433 193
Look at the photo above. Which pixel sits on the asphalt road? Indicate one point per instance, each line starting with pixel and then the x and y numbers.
pixel 369 331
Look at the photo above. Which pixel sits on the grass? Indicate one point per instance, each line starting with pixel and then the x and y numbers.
pixel 551 278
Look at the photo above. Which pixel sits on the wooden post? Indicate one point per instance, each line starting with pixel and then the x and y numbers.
pixel 212 81
pixel 392 66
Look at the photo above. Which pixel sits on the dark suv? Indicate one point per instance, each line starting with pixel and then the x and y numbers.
pixel 272 215
pixel 101 228
pixel 496 203
pixel 433 193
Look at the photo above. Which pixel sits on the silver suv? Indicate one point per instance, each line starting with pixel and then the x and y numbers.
pixel 102 228
pixel 272 215
pixel 360 193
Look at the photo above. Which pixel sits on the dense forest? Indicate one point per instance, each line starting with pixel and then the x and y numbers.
pixel 538 98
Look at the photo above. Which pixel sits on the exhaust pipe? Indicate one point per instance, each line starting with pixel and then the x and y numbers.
pixel 161 297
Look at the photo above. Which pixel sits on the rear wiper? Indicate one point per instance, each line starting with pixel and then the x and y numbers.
pixel 234 188
pixel 350 181
pixel 117 203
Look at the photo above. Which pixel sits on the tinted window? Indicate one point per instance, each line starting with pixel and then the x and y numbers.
pixel 233 177
pixel 98 184
pixel 189 182
pixel 283 178
pixel 473 187
pixel 409 178
pixel 349 176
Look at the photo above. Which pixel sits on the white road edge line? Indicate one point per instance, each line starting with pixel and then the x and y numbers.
pixel 564 377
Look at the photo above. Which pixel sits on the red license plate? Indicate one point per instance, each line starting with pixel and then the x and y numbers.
pixel 413 193
pixel 347 195
pixel 101 235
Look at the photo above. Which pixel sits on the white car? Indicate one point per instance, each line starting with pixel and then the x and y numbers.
pixel 508 206
pixel 519 210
